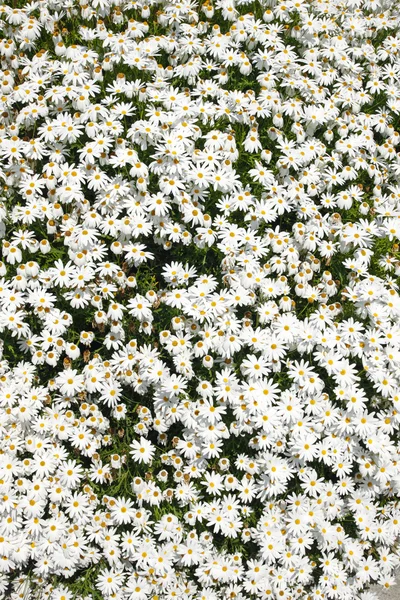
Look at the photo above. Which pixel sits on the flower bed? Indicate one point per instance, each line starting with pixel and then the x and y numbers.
pixel 200 315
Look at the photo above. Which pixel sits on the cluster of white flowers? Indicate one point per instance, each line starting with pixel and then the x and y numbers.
pixel 200 315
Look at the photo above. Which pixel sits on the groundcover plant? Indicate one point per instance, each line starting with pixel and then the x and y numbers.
pixel 200 316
